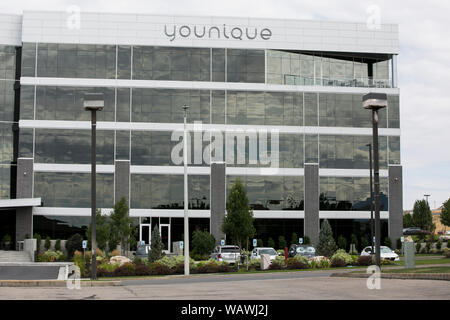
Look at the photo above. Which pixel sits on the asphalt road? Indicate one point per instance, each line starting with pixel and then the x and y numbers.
pixel 29 272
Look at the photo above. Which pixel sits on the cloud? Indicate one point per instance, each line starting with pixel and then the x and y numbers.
pixel 424 63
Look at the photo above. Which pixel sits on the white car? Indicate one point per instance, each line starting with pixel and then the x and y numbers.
pixel 258 251
pixel 385 253
pixel 445 236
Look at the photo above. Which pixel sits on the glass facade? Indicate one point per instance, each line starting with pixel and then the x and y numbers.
pixel 8 120
pixel 73 189
pixel 350 194
pixel 271 192
pixel 166 192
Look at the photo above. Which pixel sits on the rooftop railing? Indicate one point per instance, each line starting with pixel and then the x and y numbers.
pixel 338 82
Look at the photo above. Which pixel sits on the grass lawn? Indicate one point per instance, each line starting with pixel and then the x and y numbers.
pixel 420 270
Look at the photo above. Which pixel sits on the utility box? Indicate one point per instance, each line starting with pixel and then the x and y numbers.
pixel 177 248
pixel 409 249
pixel 265 261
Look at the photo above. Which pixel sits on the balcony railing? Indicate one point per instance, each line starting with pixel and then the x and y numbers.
pixel 338 82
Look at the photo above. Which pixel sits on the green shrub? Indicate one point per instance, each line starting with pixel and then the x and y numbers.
pixel 365 261
pixel 355 260
pixel 446 252
pixel 282 242
pixel 428 246
pixel 58 245
pixel 298 262
pixel 280 260
pixel 38 242
pixel 439 244
pixel 418 246
pixel 271 243
pixel 364 242
pixel 294 238
pixel 202 242
pixel 255 264
pixel 399 243
pixel 75 242
pixel 424 250
pixel 354 240
pixel 306 240
pixel 327 245
pixel 47 243
pixel 259 242
pixel 342 243
pixel 340 259
pixel 127 269
pixel 172 261
pixel 388 242
pixel 280 252
pixel 434 251
pixel 275 265
pixel 52 256
pixel 79 262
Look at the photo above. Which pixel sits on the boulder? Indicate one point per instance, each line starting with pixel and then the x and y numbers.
pixel 120 260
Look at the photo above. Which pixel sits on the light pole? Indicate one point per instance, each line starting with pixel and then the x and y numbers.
pixel 374 102
pixel 371 194
pixel 426 196
pixel 186 201
pixel 93 103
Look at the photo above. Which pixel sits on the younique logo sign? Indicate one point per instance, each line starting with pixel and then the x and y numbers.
pixel 215 32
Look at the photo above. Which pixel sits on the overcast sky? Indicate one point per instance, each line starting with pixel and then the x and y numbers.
pixel 424 66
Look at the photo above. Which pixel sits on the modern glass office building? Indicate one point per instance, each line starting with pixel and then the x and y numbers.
pixel 297 83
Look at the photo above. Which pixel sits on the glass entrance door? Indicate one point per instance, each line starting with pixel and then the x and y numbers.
pixel 145 233
pixel 164 231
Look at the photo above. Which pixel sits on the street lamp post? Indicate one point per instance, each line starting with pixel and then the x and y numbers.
pixel 93 103
pixel 426 196
pixel 371 193
pixel 186 201
pixel 374 102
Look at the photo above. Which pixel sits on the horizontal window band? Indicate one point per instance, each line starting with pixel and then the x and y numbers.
pixel 152 126
pixel 258 214
pixel 204 170
pixel 195 85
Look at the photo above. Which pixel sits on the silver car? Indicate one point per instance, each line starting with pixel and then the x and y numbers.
pixel 230 254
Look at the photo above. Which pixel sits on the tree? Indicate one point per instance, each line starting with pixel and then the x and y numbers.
pixel 422 215
pixel 342 243
pixel 388 242
pixel 156 246
pixel 47 243
pixel 260 243
pixel 121 225
pixel 306 240
pixel 445 214
pixel 294 238
pixel 364 242
pixel 408 221
pixel 271 243
pixel 102 229
pixel 282 242
pixel 238 223
pixel 202 243
pixel 75 242
pixel 327 245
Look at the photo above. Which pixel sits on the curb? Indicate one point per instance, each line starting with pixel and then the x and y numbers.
pixel 57 283
pixel 404 276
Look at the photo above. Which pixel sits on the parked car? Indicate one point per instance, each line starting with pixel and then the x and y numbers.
pixel 413 231
pixel 258 251
pixel 230 254
pixel 385 253
pixel 445 236
pixel 305 250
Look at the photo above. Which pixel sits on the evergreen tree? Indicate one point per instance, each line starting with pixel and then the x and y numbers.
pixel 271 243
pixel 342 243
pixel 260 243
pixel 354 240
pixel 282 242
pixel 156 246
pixel 364 242
pixel 238 223
pixel 327 245
pixel 422 215
pixel 408 221
pixel 202 243
pixel 294 238
pixel 445 214
pixel 121 225
pixel 103 230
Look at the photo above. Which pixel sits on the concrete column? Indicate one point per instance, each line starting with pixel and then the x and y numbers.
pixel 24 178
pixel 395 203
pixel 24 215
pixel 24 223
pixel 122 180
pixel 311 185
pixel 218 201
